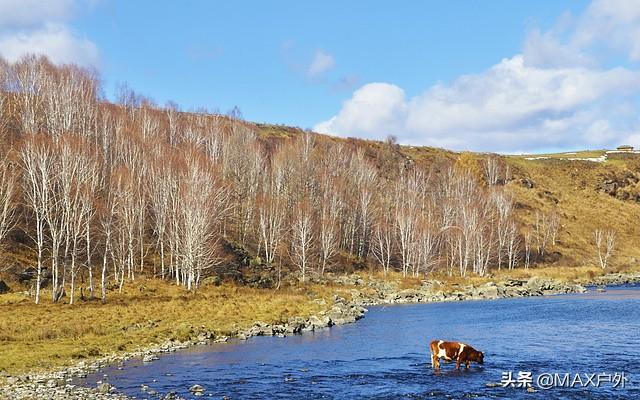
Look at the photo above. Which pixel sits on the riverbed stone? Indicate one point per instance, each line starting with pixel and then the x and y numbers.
pixel 149 358
pixel 197 389
pixel 104 388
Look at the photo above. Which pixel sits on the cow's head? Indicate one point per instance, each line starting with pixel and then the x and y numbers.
pixel 476 356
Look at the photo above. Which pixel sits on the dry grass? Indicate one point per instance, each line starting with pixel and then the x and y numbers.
pixel 569 187
pixel 148 312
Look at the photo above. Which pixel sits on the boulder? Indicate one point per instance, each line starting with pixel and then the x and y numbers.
pixel 260 329
pixel 104 388
pixel 197 390
pixel 317 322
pixel 528 183
pixel 488 291
pixel 149 358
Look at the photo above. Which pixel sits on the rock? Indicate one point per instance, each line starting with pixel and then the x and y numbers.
pixel 531 390
pixel 294 325
pixel 144 388
pixel 197 390
pixel 4 288
pixel 493 384
pixel 528 183
pixel 317 322
pixel 149 358
pixel 104 388
pixel 488 291
pixel 171 396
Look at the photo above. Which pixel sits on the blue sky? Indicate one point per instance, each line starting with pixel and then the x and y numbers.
pixel 458 74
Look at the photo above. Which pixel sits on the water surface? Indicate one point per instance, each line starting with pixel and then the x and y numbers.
pixel 385 355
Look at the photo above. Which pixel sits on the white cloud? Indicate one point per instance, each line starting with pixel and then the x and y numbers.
pixel 552 96
pixel 54 41
pixel 321 63
pixel 40 27
pixel 26 13
pixel 374 109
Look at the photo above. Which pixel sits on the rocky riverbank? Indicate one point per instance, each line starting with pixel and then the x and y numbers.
pixel 364 292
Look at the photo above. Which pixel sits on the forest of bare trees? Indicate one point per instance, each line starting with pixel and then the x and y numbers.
pixel 107 192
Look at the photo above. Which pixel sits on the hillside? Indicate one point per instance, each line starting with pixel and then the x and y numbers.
pixel 590 189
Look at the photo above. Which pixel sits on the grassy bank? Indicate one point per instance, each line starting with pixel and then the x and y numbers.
pixel 148 312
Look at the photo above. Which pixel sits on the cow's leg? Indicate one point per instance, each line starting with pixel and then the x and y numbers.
pixel 435 360
pixel 458 363
pixel 468 364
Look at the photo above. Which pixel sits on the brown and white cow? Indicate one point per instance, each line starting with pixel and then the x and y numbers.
pixel 460 352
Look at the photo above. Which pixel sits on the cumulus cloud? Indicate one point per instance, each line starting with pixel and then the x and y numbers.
pixel 41 27
pixel 55 41
pixel 26 13
pixel 321 63
pixel 374 109
pixel 554 95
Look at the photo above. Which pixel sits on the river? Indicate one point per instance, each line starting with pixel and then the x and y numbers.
pixel 385 355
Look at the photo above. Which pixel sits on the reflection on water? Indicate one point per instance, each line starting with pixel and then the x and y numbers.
pixel 385 355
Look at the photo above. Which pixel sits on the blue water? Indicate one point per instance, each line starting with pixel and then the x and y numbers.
pixel 385 355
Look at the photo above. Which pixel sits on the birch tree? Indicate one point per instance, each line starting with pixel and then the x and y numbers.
pixel 302 238
pixel 8 189
pixel 605 243
pixel 37 159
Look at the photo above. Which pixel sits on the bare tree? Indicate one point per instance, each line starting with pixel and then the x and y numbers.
pixel 8 214
pixel 328 217
pixel 30 80
pixel 107 220
pixel 125 221
pixel 605 243
pixel 5 114
pixel 302 237
pixel 384 230
pixel 428 244
pixel 161 186
pixel 527 249
pixel 407 194
pixel 203 203
pixel 504 207
pixel 513 245
pixel 37 159
pixel 546 229
pixel 491 170
pixel 77 182
pixel 272 212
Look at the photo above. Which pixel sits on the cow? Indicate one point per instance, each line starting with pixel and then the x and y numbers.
pixel 460 352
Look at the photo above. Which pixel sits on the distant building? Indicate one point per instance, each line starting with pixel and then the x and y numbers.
pixel 625 147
